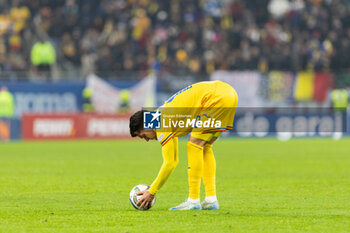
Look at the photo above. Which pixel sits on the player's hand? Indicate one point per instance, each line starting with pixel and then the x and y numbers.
pixel 146 199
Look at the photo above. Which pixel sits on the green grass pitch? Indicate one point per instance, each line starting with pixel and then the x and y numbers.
pixel 264 185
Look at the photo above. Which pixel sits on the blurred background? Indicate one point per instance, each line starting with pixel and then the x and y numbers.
pixel 78 69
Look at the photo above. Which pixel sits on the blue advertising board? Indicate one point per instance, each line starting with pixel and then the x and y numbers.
pixel 296 124
pixel 45 97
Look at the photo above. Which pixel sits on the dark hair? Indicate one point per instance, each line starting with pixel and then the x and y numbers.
pixel 136 123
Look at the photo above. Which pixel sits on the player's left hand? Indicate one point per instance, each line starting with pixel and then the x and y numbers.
pixel 146 199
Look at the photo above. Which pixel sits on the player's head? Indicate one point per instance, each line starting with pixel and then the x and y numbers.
pixel 136 127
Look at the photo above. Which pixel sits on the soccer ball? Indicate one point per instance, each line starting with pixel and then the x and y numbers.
pixel 134 198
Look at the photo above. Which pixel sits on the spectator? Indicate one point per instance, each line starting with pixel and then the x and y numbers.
pixel 87 100
pixel 43 56
pixel 340 99
pixel 7 104
pixel 181 36
pixel 125 97
pixel 340 102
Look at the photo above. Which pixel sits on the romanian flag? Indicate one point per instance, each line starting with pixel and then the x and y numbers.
pixel 323 82
pixel 304 86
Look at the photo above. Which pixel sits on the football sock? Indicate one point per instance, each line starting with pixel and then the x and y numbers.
pixel 195 169
pixel 194 201
pixel 209 171
pixel 211 199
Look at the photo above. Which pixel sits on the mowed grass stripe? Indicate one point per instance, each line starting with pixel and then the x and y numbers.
pixel 264 185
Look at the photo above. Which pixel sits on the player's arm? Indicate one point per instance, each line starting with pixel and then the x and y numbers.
pixel 170 160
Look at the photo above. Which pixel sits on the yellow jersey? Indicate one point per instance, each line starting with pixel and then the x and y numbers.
pixel 213 104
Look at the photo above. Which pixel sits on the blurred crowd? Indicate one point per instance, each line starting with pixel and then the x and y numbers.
pixel 175 36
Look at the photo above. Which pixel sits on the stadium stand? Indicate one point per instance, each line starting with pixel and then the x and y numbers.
pixel 178 36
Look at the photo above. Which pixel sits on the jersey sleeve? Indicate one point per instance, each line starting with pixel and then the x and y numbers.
pixel 164 137
pixel 170 155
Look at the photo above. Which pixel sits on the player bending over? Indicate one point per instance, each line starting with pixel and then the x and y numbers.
pixel 207 101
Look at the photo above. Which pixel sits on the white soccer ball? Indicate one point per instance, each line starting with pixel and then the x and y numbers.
pixel 133 197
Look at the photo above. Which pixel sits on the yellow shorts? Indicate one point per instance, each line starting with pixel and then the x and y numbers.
pixel 205 136
pixel 221 106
